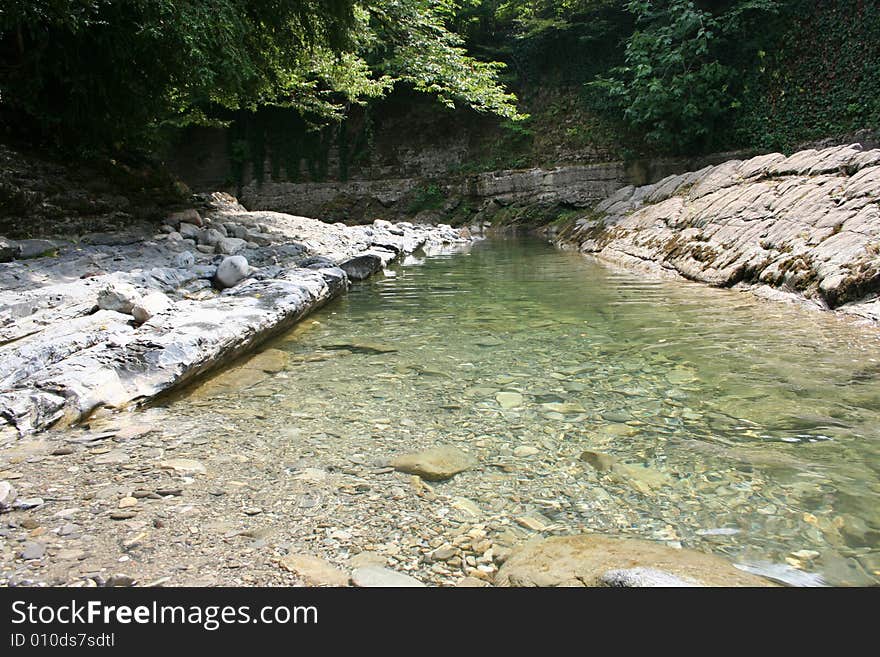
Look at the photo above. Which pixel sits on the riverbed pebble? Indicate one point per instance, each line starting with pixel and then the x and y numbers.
pixel 435 464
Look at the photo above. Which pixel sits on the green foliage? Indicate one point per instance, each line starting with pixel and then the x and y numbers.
pixel 427 197
pixel 679 82
pixel 819 79
pixel 413 45
pixel 546 41
pixel 676 76
pixel 92 73
pixel 705 75
pixel 98 72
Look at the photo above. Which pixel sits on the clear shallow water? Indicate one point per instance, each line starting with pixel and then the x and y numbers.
pixel 744 427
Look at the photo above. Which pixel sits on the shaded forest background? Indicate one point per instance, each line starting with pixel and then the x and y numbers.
pixel 289 79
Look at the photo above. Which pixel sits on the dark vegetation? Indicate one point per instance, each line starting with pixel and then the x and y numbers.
pixel 643 77
pixel 692 76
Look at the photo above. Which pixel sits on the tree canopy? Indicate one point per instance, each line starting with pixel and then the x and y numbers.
pixel 666 75
pixel 688 76
pixel 100 72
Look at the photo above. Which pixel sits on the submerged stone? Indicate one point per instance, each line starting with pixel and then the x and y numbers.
pixel 435 464
pixel 269 360
pixel 601 462
pixel 508 400
pixel 361 347
pixel 585 559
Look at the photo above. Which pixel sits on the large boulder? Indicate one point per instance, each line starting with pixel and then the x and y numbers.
pixel 210 237
pixel 230 245
pixel 435 464
pixel 190 231
pixel 362 266
pixel 237 230
pixel 190 216
pixel 9 250
pixel 596 560
pixel 36 248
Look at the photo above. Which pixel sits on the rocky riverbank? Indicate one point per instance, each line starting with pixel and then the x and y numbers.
pixel 206 492
pixel 114 319
pixel 806 225
pixel 209 490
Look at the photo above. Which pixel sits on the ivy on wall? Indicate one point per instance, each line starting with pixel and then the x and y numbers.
pixel 292 146
pixel 821 78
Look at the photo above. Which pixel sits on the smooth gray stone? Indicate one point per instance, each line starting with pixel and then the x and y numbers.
pixel 378 577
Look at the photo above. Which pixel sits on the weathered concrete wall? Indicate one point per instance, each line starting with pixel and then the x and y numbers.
pixel 364 200
pixel 417 152
pixel 472 197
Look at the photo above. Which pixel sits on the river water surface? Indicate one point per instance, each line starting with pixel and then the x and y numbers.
pixel 741 427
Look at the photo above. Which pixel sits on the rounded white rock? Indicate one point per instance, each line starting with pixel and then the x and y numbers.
pixel 150 305
pixel 232 271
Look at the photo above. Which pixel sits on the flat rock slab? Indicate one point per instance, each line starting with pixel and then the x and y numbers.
pixel 586 560
pixel 184 466
pixel 435 464
pixel 60 360
pixel 314 571
pixel 807 224
pixel 377 577
pixel 508 400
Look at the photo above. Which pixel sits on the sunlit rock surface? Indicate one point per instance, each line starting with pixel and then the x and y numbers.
pixel 64 352
pixel 808 224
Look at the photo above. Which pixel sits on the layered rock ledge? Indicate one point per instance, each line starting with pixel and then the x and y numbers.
pixel 807 224
pixel 114 319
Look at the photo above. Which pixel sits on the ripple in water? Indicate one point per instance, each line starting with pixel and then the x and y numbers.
pixel 741 427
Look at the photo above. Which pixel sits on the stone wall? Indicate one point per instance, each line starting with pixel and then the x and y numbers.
pixel 462 198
